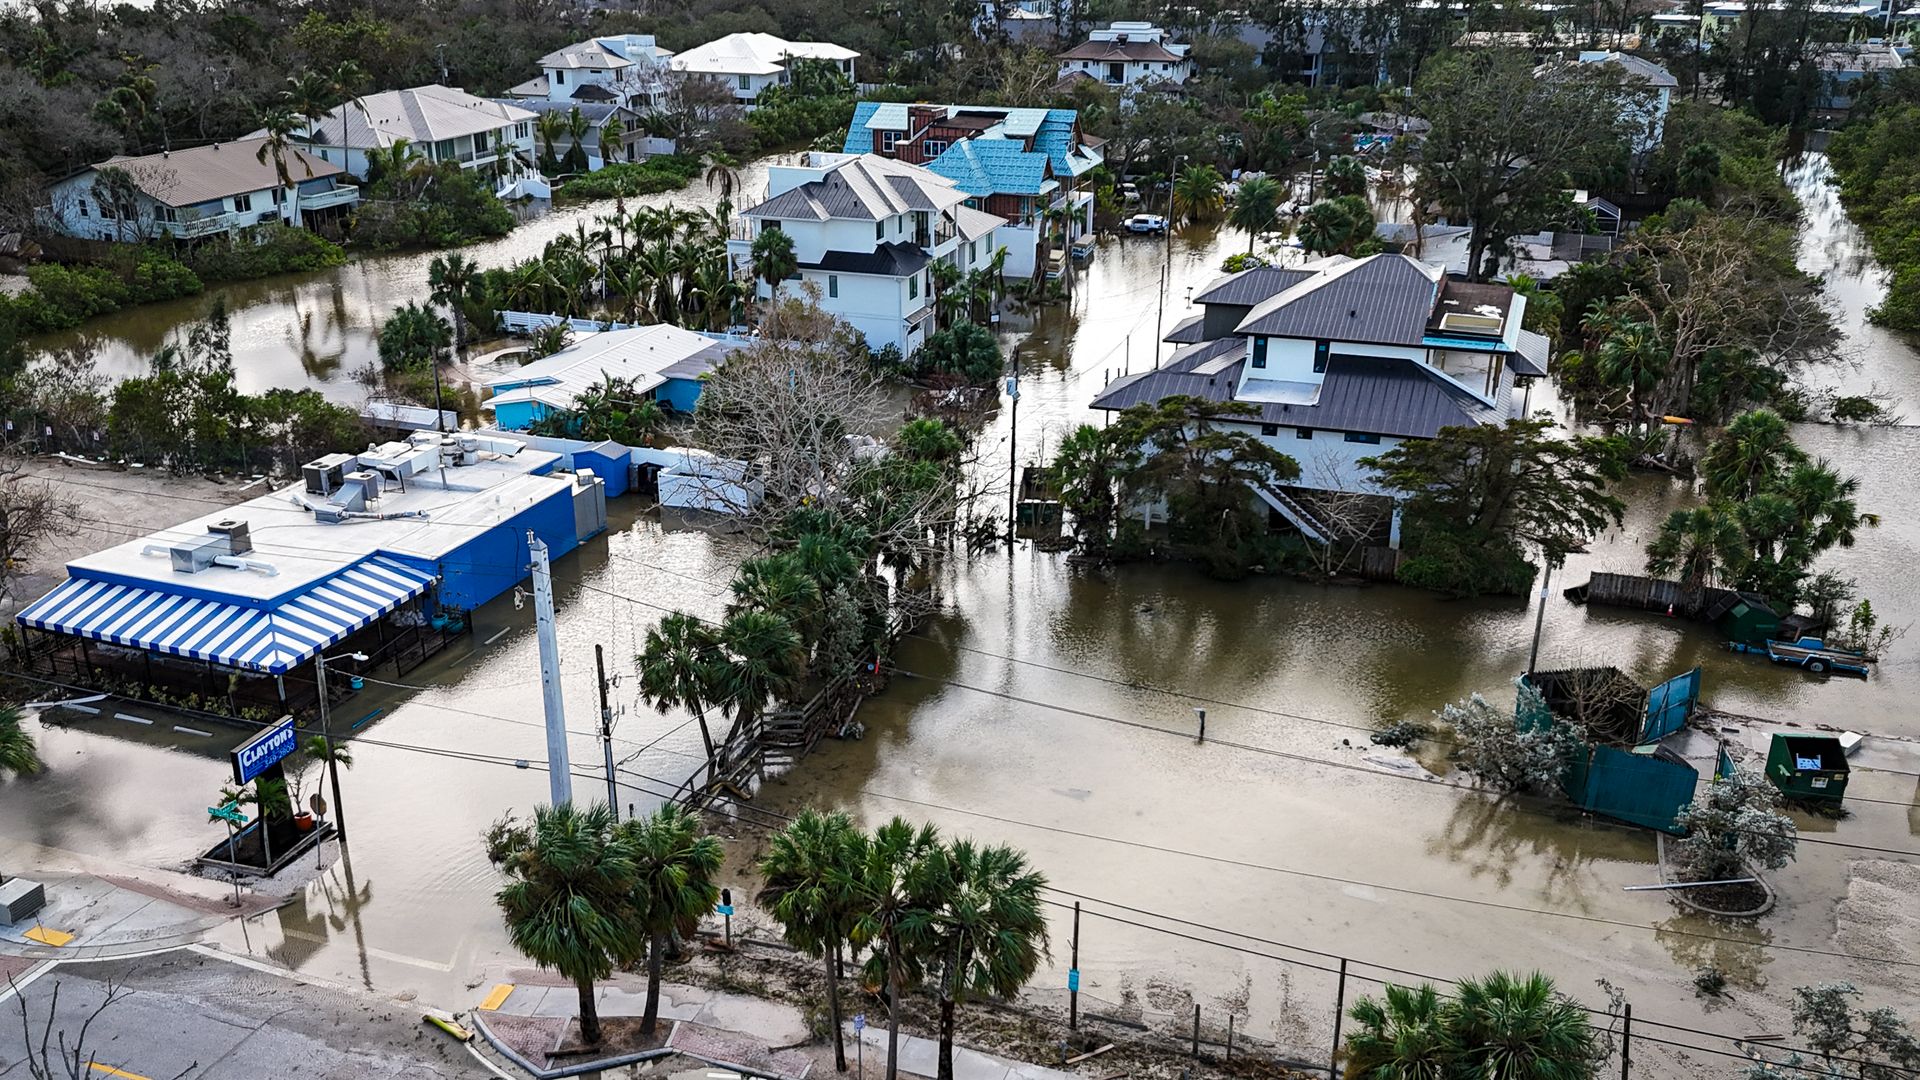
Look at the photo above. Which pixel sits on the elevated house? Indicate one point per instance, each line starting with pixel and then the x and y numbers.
pixel 633 144
pixel 1345 359
pixel 439 123
pixel 1128 54
pixel 383 552
pixel 661 363
pixel 1025 166
pixel 749 63
pixel 616 69
pixel 866 231
pixel 194 193
pixel 1645 107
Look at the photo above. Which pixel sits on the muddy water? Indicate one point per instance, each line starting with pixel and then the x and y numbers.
pixel 318 329
pixel 1017 719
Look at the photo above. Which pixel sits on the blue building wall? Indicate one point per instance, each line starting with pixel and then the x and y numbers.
pixel 682 394
pixel 609 462
pixel 518 415
pixel 496 560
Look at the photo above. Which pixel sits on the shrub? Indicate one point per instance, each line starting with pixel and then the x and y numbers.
pixel 966 349
pixel 665 172
pixel 263 250
pixel 456 207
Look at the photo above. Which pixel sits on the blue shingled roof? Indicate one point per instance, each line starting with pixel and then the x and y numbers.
pixel 859 139
pixel 992 166
pixel 1055 138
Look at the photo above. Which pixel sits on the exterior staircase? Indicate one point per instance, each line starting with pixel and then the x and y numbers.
pixel 1297 515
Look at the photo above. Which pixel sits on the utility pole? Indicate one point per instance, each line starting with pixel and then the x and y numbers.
pixel 1540 618
pixel 1158 317
pixel 1013 449
pixel 606 729
pixel 326 732
pixel 559 768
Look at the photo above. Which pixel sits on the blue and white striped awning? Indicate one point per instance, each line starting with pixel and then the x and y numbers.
pixel 269 640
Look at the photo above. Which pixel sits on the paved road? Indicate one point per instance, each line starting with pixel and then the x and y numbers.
pixel 184 1014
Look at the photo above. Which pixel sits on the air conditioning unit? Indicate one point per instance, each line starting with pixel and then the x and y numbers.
pixel 239 540
pixel 194 556
pixel 367 481
pixel 323 474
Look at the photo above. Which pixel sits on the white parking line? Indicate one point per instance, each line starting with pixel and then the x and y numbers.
pixel 193 731
pixel 133 719
pixel 82 708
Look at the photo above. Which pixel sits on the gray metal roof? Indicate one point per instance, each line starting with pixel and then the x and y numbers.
pixel 897 259
pixel 1252 285
pixel 1530 361
pixel 1188 331
pixel 1382 299
pixel 863 188
pixel 1372 395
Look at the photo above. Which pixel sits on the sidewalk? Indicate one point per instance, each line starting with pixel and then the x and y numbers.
pixel 921 1057
pixel 94 916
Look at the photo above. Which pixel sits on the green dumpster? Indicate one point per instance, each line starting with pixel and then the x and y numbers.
pixel 1810 767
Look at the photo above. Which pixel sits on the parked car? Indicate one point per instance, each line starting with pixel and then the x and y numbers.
pixel 1146 224
pixel 1129 193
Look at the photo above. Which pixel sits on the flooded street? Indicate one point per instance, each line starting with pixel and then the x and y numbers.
pixel 1018 716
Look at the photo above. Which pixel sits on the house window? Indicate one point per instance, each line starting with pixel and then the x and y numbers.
pixel 1303 433
pixel 167 214
pixel 83 207
pixel 913 287
pixel 880 229
pixel 1270 430
pixel 479 141
pixel 745 83
pixel 1363 437
pixel 521 130
pixel 1320 357
pixel 935 147
pixel 833 285
pixel 242 203
pixel 559 78
pixel 1259 352
pixel 887 139
pixel 276 196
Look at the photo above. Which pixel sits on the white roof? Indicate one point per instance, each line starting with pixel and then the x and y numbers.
pixel 641 354
pixel 423 114
pixel 458 503
pixel 755 54
pixel 584 54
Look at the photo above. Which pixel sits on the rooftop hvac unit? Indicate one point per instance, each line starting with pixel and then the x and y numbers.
pixel 323 474
pixel 194 556
pixel 368 483
pixel 239 540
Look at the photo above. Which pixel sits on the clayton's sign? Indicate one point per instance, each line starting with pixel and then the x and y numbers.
pixel 258 754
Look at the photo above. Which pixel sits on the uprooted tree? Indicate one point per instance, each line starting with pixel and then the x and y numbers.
pixel 1734 824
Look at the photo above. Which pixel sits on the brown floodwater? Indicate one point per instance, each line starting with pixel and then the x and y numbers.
pixel 1051 707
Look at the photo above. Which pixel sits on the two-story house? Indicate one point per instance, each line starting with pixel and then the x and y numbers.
pixel 866 231
pixel 1025 166
pixel 1650 94
pixel 1128 53
pixel 632 145
pixel 439 122
pixel 749 63
pixel 618 69
pixel 199 192
pixel 1345 359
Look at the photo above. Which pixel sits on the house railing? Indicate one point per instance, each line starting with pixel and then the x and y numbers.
pixel 201 226
pixel 335 196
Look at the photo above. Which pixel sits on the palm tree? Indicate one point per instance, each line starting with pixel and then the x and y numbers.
pixel 1520 1028
pixel 1254 208
pixel 414 337
pixel 1199 193
pixel 18 755
pixel 454 279
pixel 1088 465
pixel 673 869
pixel 1325 229
pixel 766 660
pixel 777 584
pixel 280 123
pixel 888 889
pixel 550 126
pixel 344 82
pixel 578 127
pixel 400 166
pixel 569 901
pixel 333 757
pixel 613 140
pixel 1823 505
pixel 1346 176
pixel 1401 1038
pixel 722 174
pixel 773 258
pixel 1749 455
pixel 308 95
pixel 680 669
pixel 808 869
pixel 988 935
pixel 1631 355
pixel 1697 547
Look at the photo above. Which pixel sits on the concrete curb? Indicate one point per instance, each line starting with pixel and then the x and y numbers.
pixel 508 1052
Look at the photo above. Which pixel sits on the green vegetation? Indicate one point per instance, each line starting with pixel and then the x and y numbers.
pixel 1734 826
pixel 414 338
pixel 1849 1043
pixel 662 172
pixel 1879 173
pixel 18 755
pixel 1338 226
pixel 817 102
pixel 1255 208
pixel 674 865
pixel 422 205
pixel 262 251
pixel 1479 500
pixel 808 891
pixel 63 296
pixel 966 351
pixel 1502 1025
pixel 609 409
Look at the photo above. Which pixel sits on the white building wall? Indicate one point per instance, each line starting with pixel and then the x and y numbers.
pixel 1328 462
pixel 1291 359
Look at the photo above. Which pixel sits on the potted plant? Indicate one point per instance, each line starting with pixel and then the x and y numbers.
pixel 296 783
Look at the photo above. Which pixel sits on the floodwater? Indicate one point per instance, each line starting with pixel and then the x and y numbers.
pixel 1017 717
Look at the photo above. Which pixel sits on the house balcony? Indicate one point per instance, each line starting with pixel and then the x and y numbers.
pixel 187 228
pixel 343 195
pixel 920 319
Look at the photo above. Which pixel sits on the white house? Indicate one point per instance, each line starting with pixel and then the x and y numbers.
pixel 866 230
pixel 633 144
pixel 660 362
pixel 619 69
pixel 441 124
pixel 203 191
pixel 749 63
pixel 1127 53
pixel 1646 107
pixel 1346 359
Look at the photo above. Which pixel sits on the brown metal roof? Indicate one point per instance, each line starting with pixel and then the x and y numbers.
pixel 1121 51
pixel 204 173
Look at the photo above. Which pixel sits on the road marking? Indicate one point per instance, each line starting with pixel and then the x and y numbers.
pixel 47 936
pixel 193 731
pixel 132 719
pixel 79 708
pixel 111 1071
pixel 503 633
pixel 398 958
pixel 497 997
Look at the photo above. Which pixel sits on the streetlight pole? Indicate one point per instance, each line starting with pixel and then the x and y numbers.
pixel 326 732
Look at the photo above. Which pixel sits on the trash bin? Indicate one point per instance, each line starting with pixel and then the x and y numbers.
pixel 1812 767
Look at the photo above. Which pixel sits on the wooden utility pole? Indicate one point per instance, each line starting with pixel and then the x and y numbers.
pixel 606 729
pixel 559 765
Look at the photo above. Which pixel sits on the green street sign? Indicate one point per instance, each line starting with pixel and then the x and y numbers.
pixel 227 812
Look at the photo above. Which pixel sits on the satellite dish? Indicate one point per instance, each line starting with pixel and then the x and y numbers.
pixel 318 804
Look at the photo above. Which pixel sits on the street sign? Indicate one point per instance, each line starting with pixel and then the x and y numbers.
pixel 227 812
pixel 317 804
pixel 263 751
pixel 723 909
pixel 859 1023
pixel 1073 979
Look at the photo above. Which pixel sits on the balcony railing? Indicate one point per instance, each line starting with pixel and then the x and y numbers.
pixel 201 226
pixel 336 196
